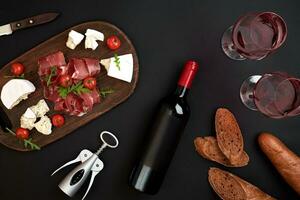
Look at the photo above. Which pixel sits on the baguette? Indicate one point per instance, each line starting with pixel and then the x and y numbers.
pixel 229 135
pixel 231 187
pixel 284 160
pixel 208 148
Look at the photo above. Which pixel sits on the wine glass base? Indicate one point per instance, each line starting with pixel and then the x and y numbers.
pixel 228 46
pixel 247 91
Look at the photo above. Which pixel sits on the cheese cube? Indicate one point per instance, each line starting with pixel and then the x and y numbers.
pixel 74 39
pixel 90 43
pixel 44 126
pixel 97 35
pixel 27 119
pixel 40 109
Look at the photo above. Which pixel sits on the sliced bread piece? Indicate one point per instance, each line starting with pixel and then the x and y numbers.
pixel 201 144
pixel 208 148
pixel 231 187
pixel 229 135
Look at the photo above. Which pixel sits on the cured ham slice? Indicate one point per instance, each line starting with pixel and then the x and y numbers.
pixel 89 99
pixel 93 66
pixel 80 69
pixel 74 104
pixel 51 93
pixel 45 63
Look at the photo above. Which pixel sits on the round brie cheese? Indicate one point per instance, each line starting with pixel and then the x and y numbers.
pixel 14 91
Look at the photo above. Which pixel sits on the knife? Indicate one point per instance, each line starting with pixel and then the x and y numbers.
pixel 5 123
pixel 26 23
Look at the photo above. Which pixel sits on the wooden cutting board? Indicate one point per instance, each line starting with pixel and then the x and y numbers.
pixel 57 43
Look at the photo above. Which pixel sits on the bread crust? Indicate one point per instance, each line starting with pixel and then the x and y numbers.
pixel 208 148
pixel 229 135
pixel 238 188
pixel 284 160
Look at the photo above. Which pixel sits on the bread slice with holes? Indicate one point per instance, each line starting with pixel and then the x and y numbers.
pixel 231 187
pixel 229 135
pixel 208 148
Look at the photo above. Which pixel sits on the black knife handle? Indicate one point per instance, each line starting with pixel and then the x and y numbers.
pixel 33 21
pixel 4 120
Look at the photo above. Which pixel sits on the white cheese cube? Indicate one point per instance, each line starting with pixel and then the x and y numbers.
pixel 44 126
pixel 90 43
pixel 27 119
pixel 14 91
pixel 40 109
pixel 29 114
pixel 97 35
pixel 74 39
pixel 124 71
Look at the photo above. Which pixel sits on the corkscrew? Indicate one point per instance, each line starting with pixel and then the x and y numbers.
pixel 90 163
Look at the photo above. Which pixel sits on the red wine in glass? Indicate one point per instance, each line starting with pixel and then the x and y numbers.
pixel 254 36
pixel 276 94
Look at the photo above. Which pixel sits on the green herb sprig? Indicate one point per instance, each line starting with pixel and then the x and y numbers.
pixel 27 142
pixel 106 91
pixel 31 144
pixel 53 71
pixel 76 89
pixel 117 61
pixel 22 76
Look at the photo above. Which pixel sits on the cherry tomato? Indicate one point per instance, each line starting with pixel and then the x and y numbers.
pixel 22 133
pixel 65 80
pixel 113 42
pixel 90 83
pixel 58 120
pixel 17 69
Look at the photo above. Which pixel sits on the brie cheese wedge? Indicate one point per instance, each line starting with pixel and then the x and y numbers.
pixel 14 91
pixel 124 71
pixel 74 39
pixel 40 109
pixel 91 38
pixel 44 126
pixel 27 119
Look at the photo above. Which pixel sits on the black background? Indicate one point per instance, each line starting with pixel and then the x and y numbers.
pixel 165 34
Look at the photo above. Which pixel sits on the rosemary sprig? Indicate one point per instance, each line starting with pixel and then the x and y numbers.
pixel 106 91
pixel 117 61
pixel 76 89
pixel 31 144
pixel 26 141
pixel 52 73
pixel 22 76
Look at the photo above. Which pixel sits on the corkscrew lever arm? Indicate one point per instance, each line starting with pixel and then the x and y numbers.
pixel 83 156
pixel 97 167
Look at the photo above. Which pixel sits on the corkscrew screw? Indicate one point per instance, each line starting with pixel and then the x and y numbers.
pixel 90 163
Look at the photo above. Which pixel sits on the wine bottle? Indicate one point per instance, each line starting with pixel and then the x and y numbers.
pixel 168 126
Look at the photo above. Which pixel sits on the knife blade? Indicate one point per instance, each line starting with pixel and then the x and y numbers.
pixel 8 29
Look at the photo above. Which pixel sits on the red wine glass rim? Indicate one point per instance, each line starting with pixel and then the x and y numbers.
pixel 286 77
pixel 257 14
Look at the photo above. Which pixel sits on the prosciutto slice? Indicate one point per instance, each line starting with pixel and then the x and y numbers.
pixel 51 93
pixel 89 99
pixel 80 69
pixel 74 104
pixel 93 66
pixel 53 60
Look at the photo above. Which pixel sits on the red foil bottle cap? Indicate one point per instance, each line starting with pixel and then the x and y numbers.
pixel 188 74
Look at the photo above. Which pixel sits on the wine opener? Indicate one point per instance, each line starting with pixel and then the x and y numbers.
pixel 90 162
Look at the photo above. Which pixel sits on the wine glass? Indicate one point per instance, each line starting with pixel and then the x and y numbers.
pixel 254 36
pixel 276 94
